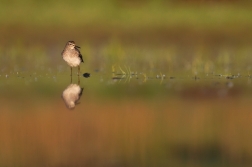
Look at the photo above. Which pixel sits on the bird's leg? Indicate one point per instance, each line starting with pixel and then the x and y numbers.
pixel 78 70
pixel 71 81
pixel 78 80
pixel 71 71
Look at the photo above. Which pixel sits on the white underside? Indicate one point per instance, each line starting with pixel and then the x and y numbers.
pixel 72 61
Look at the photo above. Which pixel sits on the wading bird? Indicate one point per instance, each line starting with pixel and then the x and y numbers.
pixel 72 55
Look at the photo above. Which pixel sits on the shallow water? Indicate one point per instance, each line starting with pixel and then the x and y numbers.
pixel 120 119
pixel 167 106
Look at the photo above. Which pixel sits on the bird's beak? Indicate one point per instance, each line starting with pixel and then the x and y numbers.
pixel 77 46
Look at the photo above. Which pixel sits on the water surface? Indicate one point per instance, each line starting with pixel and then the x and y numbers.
pixel 125 119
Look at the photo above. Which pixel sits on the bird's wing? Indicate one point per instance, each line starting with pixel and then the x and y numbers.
pixel 80 56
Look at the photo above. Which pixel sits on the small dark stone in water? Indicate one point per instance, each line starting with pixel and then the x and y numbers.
pixel 172 77
pixel 230 77
pixel 196 78
pixel 86 75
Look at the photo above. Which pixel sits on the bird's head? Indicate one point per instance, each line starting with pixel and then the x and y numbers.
pixel 71 44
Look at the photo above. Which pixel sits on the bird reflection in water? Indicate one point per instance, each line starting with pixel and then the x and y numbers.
pixel 71 95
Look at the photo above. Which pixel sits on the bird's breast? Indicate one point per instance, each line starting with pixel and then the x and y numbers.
pixel 72 61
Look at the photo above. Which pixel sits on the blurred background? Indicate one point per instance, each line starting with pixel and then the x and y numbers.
pixel 133 22
pixel 117 27
pixel 170 83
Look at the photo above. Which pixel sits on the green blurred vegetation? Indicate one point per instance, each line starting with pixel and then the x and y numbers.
pixel 144 35
pixel 115 57
pixel 143 21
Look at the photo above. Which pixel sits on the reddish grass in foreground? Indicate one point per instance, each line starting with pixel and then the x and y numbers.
pixel 128 133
